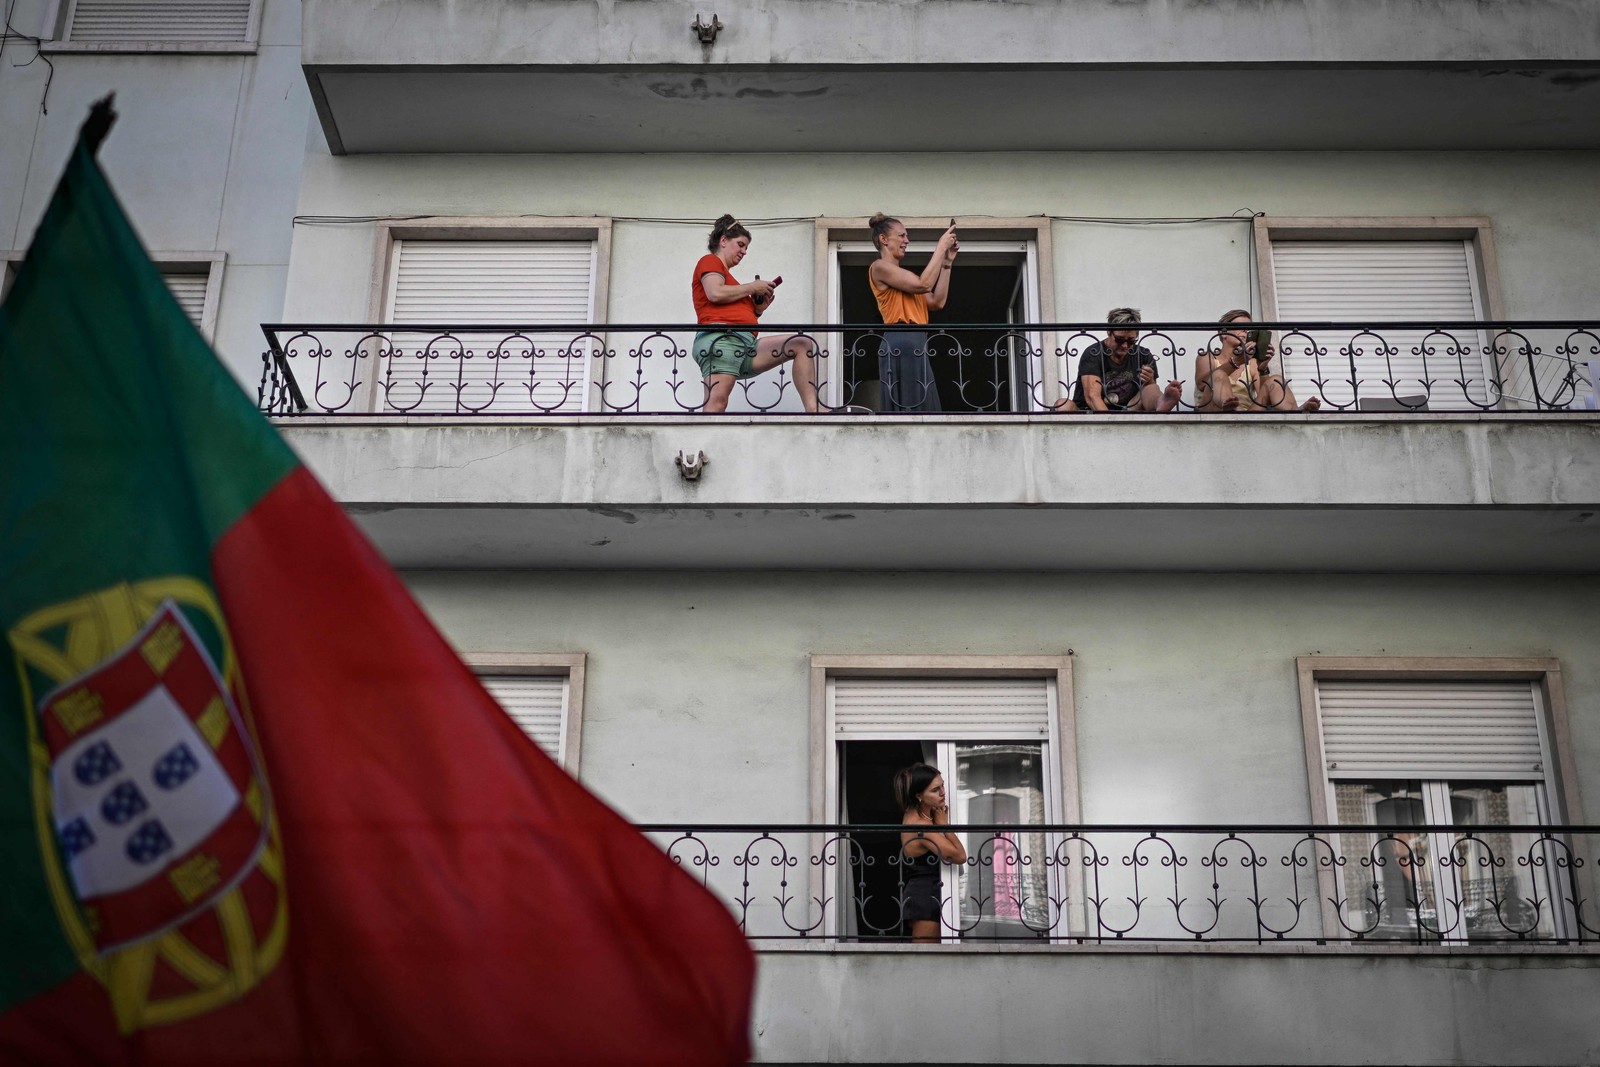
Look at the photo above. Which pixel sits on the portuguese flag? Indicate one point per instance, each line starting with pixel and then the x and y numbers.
pixel 252 806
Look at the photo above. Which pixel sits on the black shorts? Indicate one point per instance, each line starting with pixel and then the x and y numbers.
pixel 921 900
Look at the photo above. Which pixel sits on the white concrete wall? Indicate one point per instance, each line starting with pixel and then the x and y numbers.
pixel 206 156
pixel 799 32
pixel 697 704
pixel 1545 209
pixel 1183 1007
pixel 697 709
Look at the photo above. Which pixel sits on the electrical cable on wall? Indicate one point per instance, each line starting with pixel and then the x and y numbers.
pixel 1243 214
pixel 12 33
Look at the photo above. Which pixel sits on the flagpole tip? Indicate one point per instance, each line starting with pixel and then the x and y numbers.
pixel 98 124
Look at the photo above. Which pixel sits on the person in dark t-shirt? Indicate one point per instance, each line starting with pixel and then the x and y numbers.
pixel 1119 374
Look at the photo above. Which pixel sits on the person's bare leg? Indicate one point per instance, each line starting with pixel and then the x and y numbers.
pixel 1282 397
pixel 803 351
pixel 925 931
pixel 1153 398
pixel 718 388
pixel 1222 396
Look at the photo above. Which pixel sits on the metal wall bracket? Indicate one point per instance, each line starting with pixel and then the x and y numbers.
pixel 691 467
pixel 707 32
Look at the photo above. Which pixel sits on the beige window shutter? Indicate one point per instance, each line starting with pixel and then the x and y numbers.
pixel 538 704
pixel 162 20
pixel 953 709
pixel 1430 730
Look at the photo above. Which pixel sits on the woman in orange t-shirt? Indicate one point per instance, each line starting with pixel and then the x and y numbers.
pixel 729 355
pixel 905 298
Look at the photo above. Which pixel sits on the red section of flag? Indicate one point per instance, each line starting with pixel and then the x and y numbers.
pixel 454 896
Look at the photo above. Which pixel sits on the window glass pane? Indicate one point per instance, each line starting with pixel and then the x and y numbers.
pixel 1504 875
pixel 1003 889
pixel 1388 887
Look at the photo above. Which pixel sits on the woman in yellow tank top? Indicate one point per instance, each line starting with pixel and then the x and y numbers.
pixel 904 299
pixel 1236 377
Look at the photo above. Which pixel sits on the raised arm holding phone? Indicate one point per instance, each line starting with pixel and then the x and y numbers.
pixel 904 298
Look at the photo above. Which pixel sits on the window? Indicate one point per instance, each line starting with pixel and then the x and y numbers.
pixel 543 694
pixel 1377 270
pixel 160 25
pixel 476 275
pixel 1004 278
pixel 194 278
pixel 1001 738
pixel 1472 750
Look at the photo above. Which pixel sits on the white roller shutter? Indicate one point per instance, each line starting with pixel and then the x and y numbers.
pixel 954 709
pixel 161 20
pixel 1382 281
pixel 189 287
pixel 538 704
pixel 519 283
pixel 1430 730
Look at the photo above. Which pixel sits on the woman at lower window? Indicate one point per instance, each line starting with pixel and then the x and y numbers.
pixel 904 299
pixel 924 849
pixel 734 352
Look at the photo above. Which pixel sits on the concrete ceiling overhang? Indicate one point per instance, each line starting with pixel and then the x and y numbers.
pixel 778 108
pixel 1499 493
pixel 1389 540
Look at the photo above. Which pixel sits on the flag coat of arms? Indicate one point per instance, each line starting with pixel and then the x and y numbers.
pixel 253 808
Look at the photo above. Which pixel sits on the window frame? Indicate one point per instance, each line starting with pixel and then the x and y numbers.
pixel 208 263
pixel 1061 772
pixel 1561 779
pixel 1476 230
pixel 493 228
pixel 60 17
pixel 568 665
pixel 10 260
pixel 835 233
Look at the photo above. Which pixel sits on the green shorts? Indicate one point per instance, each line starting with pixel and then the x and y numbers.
pixel 725 352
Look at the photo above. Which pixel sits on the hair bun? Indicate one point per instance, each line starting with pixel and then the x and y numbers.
pixel 874 220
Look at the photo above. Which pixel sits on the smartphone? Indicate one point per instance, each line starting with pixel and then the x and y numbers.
pixel 1262 340
pixel 952 222
pixel 777 281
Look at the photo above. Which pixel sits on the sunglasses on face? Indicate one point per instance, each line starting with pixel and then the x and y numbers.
pixel 1122 342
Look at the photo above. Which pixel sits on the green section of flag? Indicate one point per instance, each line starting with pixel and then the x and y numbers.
pixel 126 450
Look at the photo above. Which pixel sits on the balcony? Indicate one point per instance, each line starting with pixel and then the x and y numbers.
pixel 545 446
pixel 1152 944
pixel 902 75
pixel 469 371
pixel 1511 888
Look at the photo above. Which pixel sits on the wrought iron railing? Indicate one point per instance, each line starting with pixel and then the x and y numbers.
pixel 1343 886
pixel 539 370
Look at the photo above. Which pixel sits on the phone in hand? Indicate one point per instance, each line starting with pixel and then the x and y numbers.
pixel 777 281
pixel 1261 340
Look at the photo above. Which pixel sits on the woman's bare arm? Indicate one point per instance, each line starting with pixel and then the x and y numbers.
pixel 720 292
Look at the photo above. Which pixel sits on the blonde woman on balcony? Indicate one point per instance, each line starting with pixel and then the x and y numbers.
pixel 924 848
pixel 727 348
pixel 1238 377
pixel 904 299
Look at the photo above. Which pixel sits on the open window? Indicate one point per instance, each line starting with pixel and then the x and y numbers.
pixel 1003 743
pixel 997 286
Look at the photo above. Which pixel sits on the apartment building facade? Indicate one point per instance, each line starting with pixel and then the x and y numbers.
pixel 1156 656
